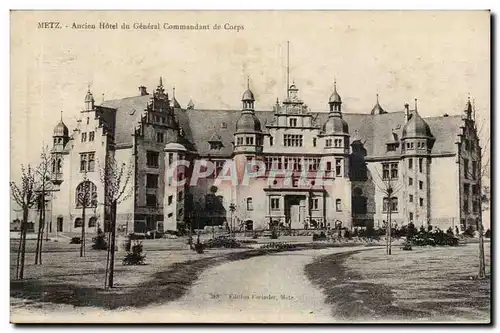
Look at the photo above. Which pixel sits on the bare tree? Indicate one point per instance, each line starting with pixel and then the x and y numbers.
pixel 115 177
pixel 389 186
pixel 43 172
pixel 25 196
pixel 86 198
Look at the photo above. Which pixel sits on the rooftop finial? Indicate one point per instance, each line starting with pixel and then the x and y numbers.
pixel 88 87
pixel 334 84
pixel 161 82
pixel 415 105
pixel 61 115
pixel 173 92
pixel 377 98
pixel 248 82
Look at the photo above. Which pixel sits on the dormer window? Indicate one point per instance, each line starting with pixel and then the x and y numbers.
pixel 391 146
pixel 215 145
pixel 223 124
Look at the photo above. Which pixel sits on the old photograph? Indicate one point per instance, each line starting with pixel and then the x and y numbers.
pixel 250 167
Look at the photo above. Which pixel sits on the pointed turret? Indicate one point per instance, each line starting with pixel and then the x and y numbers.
pixel 89 100
pixel 377 109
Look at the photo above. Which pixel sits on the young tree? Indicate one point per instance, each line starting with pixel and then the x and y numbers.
pixel 43 172
pixel 389 186
pixel 116 179
pixel 24 194
pixel 86 198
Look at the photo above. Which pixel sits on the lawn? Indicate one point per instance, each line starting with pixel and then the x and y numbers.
pixel 428 284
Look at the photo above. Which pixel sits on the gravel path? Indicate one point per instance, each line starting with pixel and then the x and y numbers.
pixel 265 289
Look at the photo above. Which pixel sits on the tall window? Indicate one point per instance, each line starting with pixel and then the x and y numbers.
pixel 271 140
pixel 466 168
pixel 293 140
pixel 385 171
pixel 420 165
pixel 411 198
pixel 421 202
pixel 410 163
pixel 160 137
pixel 86 193
pixel 394 170
pixel 338 167
pixel 314 203
pixel 293 122
pixel 474 169
pixel 84 137
pixel 78 222
pixel 151 181
pixel 393 204
pixel 328 142
pixel 338 143
pixel 239 141
pixel 170 158
pixel 420 185
pixel 314 142
pixel 328 166
pixel 87 162
pixel 275 203
pixel 91 136
pixel 151 200
pixel 389 171
pixel 338 205
pixel 152 159
pixel 410 181
pixel 249 204
pixel 249 140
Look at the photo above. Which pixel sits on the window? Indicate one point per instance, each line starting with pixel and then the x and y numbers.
pixel 160 137
pixel 394 170
pixel 151 181
pixel 84 137
pixel 410 163
pixel 338 143
pixel 239 141
pixel 151 200
pixel 223 124
pixel 328 143
pixel 249 204
pixel 466 205
pixel 180 196
pixel 411 198
pixel 170 158
pixel 421 202
pixel 163 120
pixel 314 203
pixel 293 122
pixel 420 185
pixel 338 167
pixel 393 204
pixel 87 162
pixel 466 168
pixel 474 169
pixel 420 165
pixel 88 120
pixel 328 166
pixel 275 203
pixel 410 181
pixel 86 194
pixel 385 171
pixel 314 142
pixel 92 222
pixel 474 189
pixel 78 222
pixel 170 215
pixel 338 205
pixel 152 159
pixel 170 199
pixel 411 216
pixel 475 206
pixel 271 140
pixel 91 136
pixel 391 147
pixel 293 140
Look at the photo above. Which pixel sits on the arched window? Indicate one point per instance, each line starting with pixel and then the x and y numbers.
pixel 92 222
pixel 86 194
pixel 338 205
pixel 78 222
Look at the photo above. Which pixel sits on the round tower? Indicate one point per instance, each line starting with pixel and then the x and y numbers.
pixel 60 139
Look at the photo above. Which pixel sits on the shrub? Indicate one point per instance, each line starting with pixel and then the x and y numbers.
pixel 449 231
pixel 135 257
pixel 274 234
pixel 222 242
pixel 434 238
pixel 469 232
pixel 411 230
pixel 278 246
pixel 99 241
pixel 407 246
pixel 319 237
pixel 76 240
pixel 347 234
pixel 199 247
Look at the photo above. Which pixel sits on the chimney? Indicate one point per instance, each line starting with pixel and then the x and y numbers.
pixel 407 112
pixel 143 91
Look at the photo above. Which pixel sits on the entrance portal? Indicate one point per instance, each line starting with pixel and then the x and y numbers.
pixel 295 210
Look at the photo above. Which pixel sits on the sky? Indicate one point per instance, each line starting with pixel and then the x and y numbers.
pixel 438 57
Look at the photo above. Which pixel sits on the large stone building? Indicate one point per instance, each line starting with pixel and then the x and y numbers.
pixel 431 163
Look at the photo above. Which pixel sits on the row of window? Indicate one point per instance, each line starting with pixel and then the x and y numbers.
pixel 298 163
pixel 475 205
pixel 420 164
pixel 91 136
pixel 79 222
pixel 420 183
pixel 293 140
pixel 337 143
pixel 467 188
pixel 421 200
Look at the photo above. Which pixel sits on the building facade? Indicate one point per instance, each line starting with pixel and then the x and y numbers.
pixel 431 165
